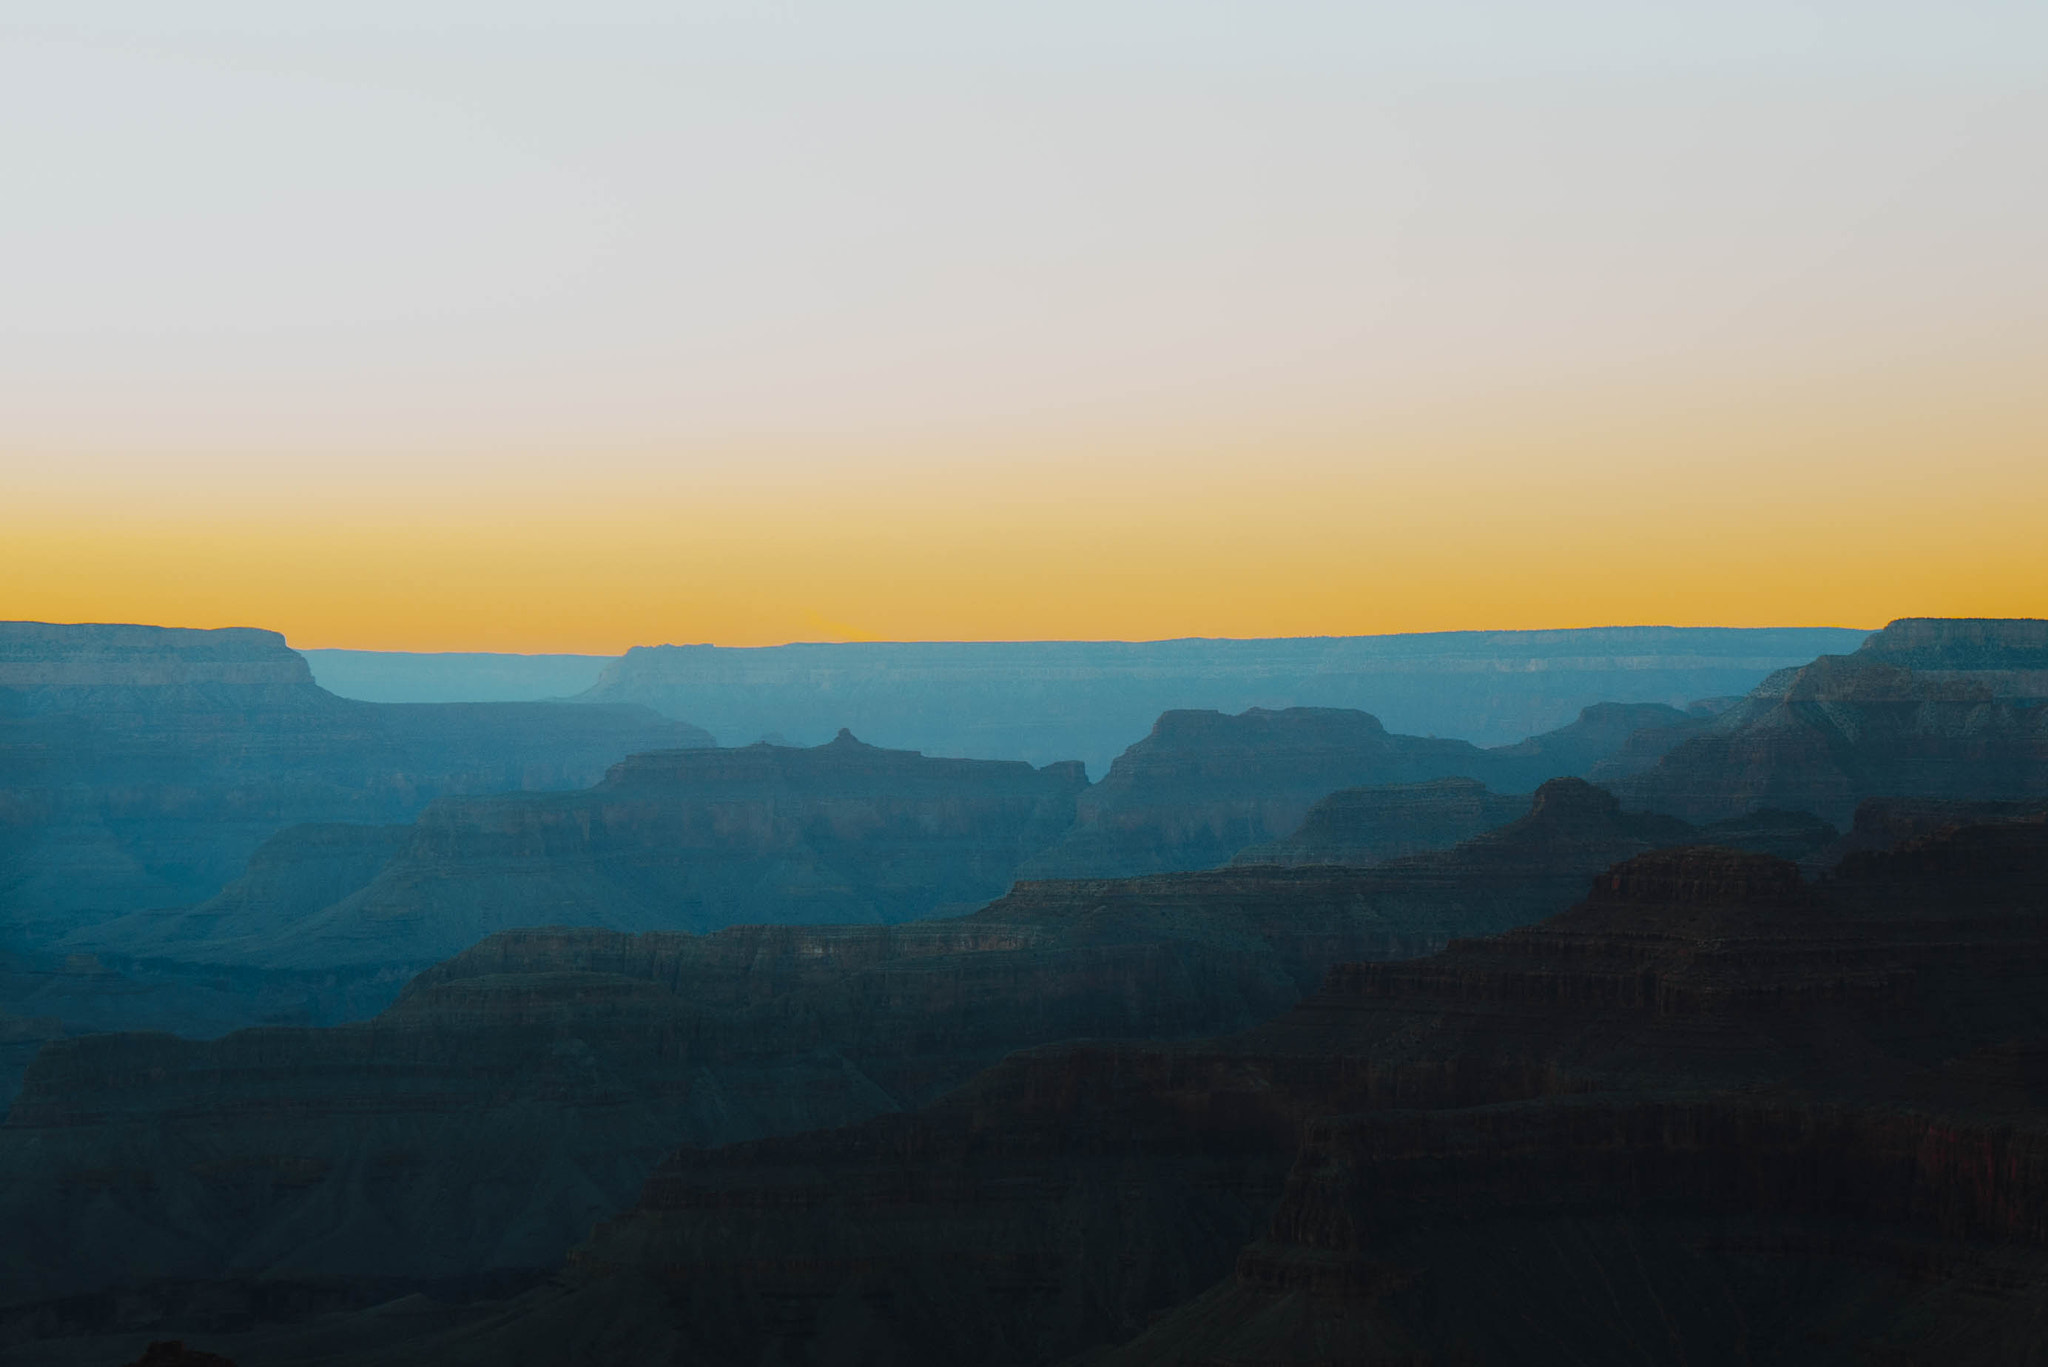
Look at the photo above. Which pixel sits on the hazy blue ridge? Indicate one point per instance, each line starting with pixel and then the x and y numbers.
pixel 405 676
pixel 1051 700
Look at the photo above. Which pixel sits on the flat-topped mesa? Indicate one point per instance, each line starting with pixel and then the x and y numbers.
pixel 1927 708
pixel 141 766
pixel 47 667
pixel 1973 644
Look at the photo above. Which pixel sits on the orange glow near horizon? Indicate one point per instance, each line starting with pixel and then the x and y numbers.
pixel 1823 508
pixel 600 325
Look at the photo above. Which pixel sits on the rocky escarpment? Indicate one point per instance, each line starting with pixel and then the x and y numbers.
pixel 1927 708
pixel 1204 786
pixel 526 1087
pixel 1713 1113
pixel 141 766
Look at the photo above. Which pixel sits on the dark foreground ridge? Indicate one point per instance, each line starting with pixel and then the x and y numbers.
pixel 1713 1113
pixel 525 1088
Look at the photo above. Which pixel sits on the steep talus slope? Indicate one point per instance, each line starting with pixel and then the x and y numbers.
pixel 141 766
pixel 1051 700
pixel 1203 786
pixel 1713 1113
pixel 525 1087
pixel 1927 708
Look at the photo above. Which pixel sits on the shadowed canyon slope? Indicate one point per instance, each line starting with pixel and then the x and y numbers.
pixel 525 1088
pixel 843 832
pixel 1361 826
pixel 1051 700
pixel 1927 708
pixel 1714 1113
pixel 1203 786
pixel 677 840
pixel 141 766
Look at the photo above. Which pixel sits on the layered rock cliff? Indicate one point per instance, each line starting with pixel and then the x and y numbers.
pixel 141 766
pixel 1927 708
pixel 1715 1113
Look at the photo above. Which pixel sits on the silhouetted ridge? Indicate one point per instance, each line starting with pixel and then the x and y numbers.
pixel 1710 1113
pixel 1090 700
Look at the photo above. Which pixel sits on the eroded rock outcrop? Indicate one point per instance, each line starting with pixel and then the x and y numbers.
pixel 1927 708
pixel 1204 786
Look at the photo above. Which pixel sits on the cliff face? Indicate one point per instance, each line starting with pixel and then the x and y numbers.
pixel 1050 700
pixel 1713 1113
pixel 526 1087
pixel 141 766
pixel 1927 708
pixel 1204 786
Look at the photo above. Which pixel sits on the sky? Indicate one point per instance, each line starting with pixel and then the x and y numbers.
pixel 443 325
